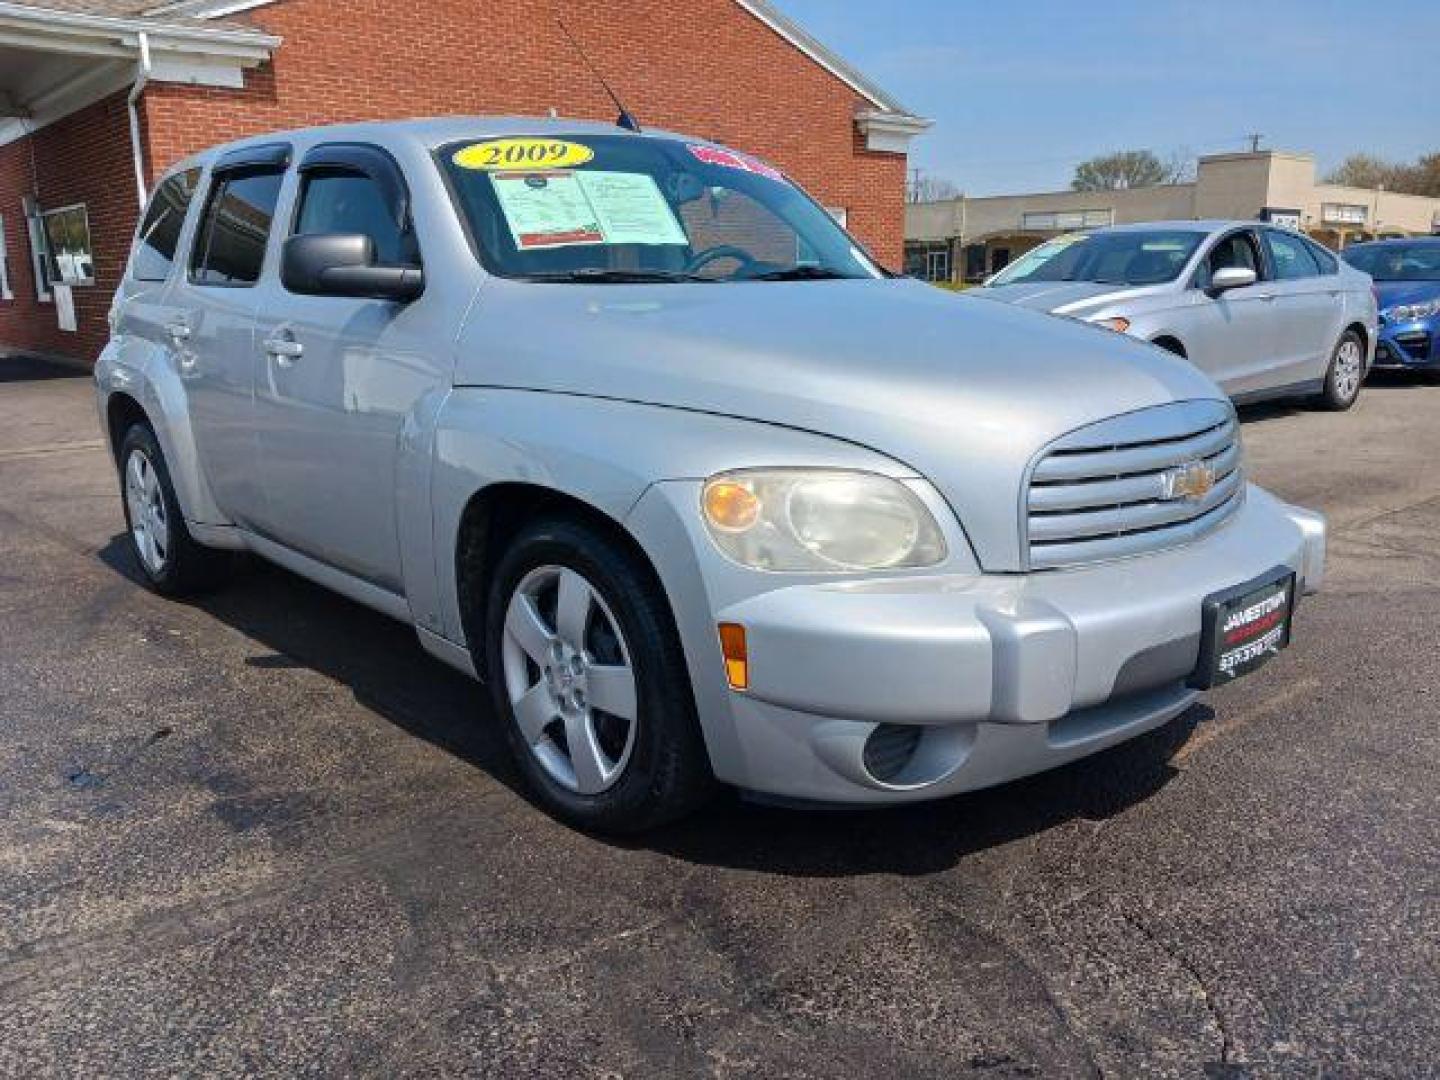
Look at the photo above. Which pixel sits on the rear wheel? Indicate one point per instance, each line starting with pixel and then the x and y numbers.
pixel 1345 375
pixel 172 562
pixel 587 674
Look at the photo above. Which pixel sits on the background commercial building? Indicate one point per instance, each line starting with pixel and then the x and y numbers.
pixel 969 239
pixel 97 97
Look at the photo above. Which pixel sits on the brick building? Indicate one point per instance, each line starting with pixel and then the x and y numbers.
pixel 97 97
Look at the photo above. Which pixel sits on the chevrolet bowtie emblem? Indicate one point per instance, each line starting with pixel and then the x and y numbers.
pixel 1191 481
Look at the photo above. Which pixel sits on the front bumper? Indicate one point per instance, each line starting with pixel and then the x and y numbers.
pixel 1409 346
pixel 903 688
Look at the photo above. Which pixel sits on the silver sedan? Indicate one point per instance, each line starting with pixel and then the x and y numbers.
pixel 1264 311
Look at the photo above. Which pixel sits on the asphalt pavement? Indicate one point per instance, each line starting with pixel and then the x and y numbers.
pixel 265 834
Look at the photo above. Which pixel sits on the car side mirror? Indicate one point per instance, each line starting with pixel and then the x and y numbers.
pixel 343 264
pixel 1231 277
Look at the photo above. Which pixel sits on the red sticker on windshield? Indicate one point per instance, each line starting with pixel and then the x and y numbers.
pixel 731 159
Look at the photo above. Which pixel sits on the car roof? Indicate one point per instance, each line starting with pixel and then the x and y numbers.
pixel 436 131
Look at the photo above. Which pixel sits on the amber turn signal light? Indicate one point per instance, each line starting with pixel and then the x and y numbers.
pixel 737 656
pixel 731 506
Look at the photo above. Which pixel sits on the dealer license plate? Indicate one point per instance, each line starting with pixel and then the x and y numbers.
pixel 1244 627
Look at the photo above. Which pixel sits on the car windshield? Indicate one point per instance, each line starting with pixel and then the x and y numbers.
pixel 623 208
pixel 1108 258
pixel 1397 262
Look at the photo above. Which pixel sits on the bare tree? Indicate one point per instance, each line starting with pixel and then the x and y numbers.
pixel 1365 170
pixel 1123 169
pixel 925 187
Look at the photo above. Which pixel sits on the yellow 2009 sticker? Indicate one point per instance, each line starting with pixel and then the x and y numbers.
pixel 499 155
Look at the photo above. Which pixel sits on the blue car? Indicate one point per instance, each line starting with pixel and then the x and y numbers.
pixel 1407 286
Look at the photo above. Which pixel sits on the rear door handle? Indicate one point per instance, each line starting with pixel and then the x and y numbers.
pixel 285 350
pixel 1267 297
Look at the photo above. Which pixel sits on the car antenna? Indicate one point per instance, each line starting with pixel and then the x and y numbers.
pixel 625 120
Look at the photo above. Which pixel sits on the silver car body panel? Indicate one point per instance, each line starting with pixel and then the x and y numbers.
pixel 354 466
pixel 1271 338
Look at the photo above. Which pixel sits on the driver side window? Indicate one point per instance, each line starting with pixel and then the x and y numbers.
pixel 338 201
pixel 1237 249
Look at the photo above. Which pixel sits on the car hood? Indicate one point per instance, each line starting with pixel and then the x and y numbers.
pixel 1061 297
pixel 961 391
pixel 1391 293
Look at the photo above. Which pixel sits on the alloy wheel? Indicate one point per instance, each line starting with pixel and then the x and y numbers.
pixel 1349 367
pixel 149 522
pixel 569 678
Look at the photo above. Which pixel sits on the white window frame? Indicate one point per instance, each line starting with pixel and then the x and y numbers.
pixel 6 292
pixel 39 249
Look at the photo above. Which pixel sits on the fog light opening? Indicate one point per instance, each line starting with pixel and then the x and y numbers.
pixel 889 749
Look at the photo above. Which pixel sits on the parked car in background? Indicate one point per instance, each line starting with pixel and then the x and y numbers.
pixel 627 426
pixel 1407 282
pixel 1263 311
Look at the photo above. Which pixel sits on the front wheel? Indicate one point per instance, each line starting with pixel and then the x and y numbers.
pixel 587 674
pixel 1346 373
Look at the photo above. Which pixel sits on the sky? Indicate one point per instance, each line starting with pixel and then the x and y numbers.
pixel 1023 90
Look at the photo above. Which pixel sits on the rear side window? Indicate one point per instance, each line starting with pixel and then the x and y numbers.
pixel 1329 264
pixel 348 202
pixel 159 236
pixel 230 246
pixel 1290 256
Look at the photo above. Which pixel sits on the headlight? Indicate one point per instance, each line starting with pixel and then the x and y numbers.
pixel 1410 312
pixel 819 520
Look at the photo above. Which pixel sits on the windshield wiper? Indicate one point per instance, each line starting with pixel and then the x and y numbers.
pixel 797 273
pixel 594 275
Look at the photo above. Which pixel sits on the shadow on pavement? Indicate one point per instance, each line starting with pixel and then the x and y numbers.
pixel 306 626
pixel 22 368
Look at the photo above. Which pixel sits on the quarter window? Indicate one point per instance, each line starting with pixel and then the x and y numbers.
pixel 1329 264
pixel 159 235
pixel 1290 256
pixel 230 247
pixel 347 202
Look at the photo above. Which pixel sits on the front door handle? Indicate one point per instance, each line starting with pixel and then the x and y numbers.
pixel 285 350
pixel 1268 297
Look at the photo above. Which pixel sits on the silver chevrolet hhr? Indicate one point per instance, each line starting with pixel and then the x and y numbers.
pixel 629 429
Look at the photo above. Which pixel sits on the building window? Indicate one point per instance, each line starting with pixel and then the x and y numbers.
pixel 1065 220
pixel 68 256
pixel 5 291
pixel 39 257
pixel 928 260
pixel 1344 214
pixel 840 214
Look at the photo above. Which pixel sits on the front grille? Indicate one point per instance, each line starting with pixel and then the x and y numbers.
pixel 1101 492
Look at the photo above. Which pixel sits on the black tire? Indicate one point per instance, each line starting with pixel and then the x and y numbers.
pixel 185 567
pixel 1342 388
pixel 667 772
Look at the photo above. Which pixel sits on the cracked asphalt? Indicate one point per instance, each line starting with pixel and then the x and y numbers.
pixel 266 834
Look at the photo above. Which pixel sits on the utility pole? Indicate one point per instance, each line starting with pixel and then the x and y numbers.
pixel 1255 138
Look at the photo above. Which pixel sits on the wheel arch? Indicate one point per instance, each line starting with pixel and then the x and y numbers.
pixel 141 384
pixel 495 514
